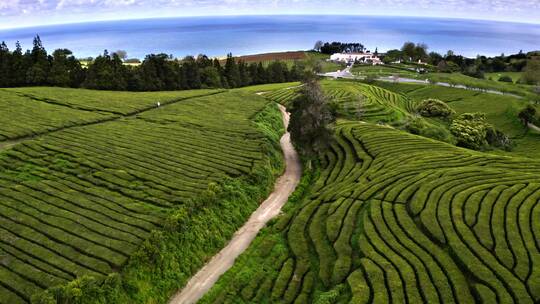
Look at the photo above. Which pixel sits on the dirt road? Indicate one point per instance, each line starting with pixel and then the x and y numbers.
pixel 221 262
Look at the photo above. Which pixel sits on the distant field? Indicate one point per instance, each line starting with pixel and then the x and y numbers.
pixel 382 70
pixel 266 58
pixel 81 201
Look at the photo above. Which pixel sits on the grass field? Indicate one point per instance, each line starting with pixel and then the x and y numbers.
pixel 396 218
pixel 383 71
pixel 460 79
pixel 171 183
pixel 514 75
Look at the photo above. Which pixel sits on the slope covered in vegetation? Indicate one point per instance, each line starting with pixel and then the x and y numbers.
pixel 151 196
pixel 393 217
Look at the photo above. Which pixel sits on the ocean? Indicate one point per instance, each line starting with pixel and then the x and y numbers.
pixel 242 35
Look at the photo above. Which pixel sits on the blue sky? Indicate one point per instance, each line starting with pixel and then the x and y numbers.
pixel 21 13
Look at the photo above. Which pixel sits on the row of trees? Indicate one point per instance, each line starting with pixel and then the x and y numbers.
pixel 156 72
pixel 475 67
pixel 338 47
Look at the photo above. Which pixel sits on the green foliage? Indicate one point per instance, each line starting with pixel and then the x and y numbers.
pixel 311 121
pixel 531 73
pixel 330 296
pixel 506 78
pixel 158 72
pixel 470 130
pixel 419 126
pixel 434 108
pixel 126 211
pixel 528 114
pixel 397 217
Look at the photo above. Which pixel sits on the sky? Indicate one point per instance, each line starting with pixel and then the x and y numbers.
pixel 25 13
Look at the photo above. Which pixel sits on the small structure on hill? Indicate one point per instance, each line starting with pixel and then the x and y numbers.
pixel 361 58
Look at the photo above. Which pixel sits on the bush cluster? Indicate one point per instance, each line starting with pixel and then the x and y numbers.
pixel 434 108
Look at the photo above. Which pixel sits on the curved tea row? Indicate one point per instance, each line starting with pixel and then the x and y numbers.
pixel 397 218
pixel 81 201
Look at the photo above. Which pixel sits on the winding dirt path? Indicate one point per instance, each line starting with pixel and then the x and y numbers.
pixel 201 282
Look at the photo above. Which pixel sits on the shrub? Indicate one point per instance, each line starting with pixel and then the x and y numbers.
pixel 434 108
pixel 497 138
pixel 506 78
pixel 418 126
pixel 470 130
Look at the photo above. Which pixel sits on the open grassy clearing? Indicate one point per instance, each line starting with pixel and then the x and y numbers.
pixel 397 218
pixel 460 79
pixel 173 182
pixel 383 70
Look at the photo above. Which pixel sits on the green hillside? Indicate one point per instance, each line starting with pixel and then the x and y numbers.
pixel 37 110
pixel 392 217
pixel 170 184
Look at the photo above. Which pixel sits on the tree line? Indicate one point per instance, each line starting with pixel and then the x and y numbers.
pixel 474 67
pixel 157 72
pixel 330 48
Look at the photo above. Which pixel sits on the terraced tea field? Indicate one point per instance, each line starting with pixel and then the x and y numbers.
pixel 38 110
pixel 358 100
pixel 397 218
pixel 81 201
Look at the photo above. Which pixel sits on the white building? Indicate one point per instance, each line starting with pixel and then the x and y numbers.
pixel 367 58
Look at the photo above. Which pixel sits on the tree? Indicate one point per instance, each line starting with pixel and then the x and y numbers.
pixel 420 51
pixel 318 45
pixel 190 70
pixel 392 56
pixel 65 70
pixel 408 50
pixel 107 73
pixel 210 77
pixel 121 54
pixel 39 64
pixel 531 74
pixel 434 108
pixel 435 58
pixel 231 72
pixel 470 130
pixel 527 115
pixel 18 66
pixel 5 64
pixel 311 120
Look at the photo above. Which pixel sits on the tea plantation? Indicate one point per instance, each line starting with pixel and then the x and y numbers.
pixel 169 184
pixel 392 217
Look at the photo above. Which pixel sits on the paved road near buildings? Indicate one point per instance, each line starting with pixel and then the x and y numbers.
pixel 201 282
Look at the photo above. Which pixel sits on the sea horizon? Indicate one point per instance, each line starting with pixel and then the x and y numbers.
pixel 216 36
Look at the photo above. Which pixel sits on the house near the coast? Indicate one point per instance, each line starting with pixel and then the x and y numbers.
pixel 362 57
